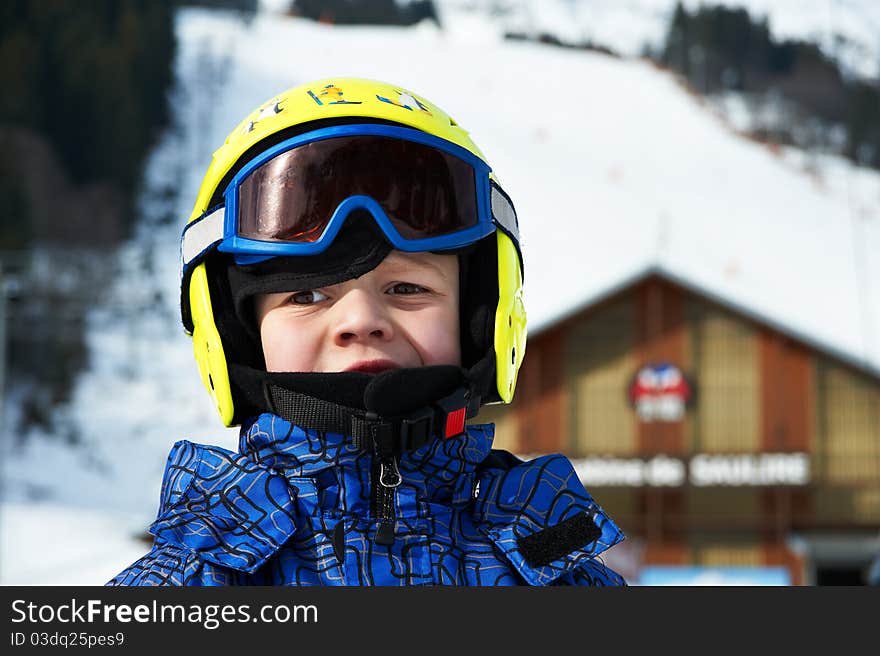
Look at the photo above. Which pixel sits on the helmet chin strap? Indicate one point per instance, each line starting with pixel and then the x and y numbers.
pixel 388 413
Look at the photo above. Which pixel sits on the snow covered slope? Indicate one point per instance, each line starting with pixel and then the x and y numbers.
pixel 848 30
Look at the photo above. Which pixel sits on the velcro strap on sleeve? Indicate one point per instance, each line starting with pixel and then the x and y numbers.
pixel 554 542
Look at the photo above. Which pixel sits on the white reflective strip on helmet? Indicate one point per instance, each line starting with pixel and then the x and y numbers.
pixel 200 235
pixel 503 212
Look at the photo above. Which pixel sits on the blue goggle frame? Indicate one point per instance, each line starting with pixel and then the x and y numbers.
pixel 218 227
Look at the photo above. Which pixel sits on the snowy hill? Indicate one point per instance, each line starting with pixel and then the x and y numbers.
pixel 847 30
pixel 612 165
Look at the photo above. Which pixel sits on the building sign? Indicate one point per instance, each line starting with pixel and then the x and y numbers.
pixel 700 470
pixel 660 392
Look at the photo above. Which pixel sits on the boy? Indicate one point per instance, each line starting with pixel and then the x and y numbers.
pixel 352 283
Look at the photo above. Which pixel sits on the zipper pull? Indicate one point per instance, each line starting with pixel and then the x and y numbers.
pixel 389 474
pixel 389 478
pixel 385 533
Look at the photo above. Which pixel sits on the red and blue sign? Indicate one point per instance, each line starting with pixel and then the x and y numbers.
pixel 660 392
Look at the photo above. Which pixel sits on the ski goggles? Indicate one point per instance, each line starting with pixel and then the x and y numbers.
pixel 425 193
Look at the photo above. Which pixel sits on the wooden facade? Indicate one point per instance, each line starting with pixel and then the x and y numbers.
pixel 757 391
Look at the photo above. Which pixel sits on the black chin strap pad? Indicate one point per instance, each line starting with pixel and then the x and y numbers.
pixel 389 413
pixel 398 392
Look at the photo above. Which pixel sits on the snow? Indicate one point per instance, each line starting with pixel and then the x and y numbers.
pixel 847 30
pixel 614 168
pixel 60 545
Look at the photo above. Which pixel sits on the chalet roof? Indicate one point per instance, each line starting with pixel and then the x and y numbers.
pixel 769 321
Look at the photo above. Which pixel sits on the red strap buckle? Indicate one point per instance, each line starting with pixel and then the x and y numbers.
pixel 455 422
pixel 455 407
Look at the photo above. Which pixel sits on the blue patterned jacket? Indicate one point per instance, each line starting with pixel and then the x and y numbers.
pixel 293 507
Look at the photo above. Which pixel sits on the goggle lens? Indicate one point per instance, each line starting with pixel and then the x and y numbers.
pixel 424 191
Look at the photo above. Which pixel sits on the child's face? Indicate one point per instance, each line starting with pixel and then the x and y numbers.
pixel 403 313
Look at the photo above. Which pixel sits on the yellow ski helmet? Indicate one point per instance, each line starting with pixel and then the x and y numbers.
pixel 300 108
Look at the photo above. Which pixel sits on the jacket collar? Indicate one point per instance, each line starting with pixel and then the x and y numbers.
pixel 432 469
pixel 226 508
pixel 293 451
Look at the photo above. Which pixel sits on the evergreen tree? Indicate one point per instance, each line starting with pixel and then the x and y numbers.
pixel 91 77
pixel 365 12
pixel 863 124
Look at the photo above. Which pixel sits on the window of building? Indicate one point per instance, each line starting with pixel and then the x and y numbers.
pixel 846 448
pixel 599 363
pixel 847 434
pixel 724 357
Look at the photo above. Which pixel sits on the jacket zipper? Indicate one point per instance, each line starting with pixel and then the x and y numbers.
pixel 388 476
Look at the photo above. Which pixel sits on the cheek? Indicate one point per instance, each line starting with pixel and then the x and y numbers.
pixel 286 348
pixel 438 337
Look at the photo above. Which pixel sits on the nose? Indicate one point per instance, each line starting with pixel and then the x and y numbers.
pixel 361 317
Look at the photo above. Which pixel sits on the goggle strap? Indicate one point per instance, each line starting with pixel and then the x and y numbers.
pixel 503 212
pixel 201 235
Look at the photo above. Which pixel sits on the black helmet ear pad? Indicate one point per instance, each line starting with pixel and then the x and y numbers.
pixel 478 285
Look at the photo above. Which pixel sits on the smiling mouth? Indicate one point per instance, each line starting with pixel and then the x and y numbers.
pixel 373 366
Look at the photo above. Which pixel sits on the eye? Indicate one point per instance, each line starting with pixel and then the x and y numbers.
pixel 406 288
pixel 307 297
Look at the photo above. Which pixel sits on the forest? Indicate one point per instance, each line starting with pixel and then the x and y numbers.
pixel 720 49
